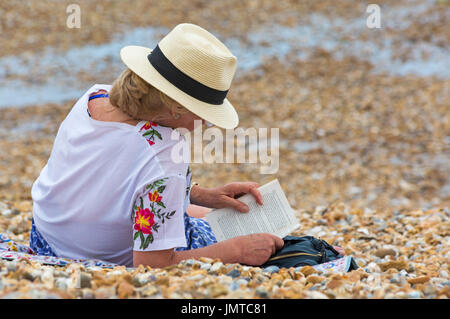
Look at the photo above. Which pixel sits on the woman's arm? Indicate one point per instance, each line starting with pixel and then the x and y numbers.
pixel 252 249
pixel 200 195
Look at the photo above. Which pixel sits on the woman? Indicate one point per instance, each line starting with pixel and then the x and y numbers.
pixel 112 191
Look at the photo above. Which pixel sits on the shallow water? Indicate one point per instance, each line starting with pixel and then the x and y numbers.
pixel 49 76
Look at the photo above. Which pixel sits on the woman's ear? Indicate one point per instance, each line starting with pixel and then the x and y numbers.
pixel 172 112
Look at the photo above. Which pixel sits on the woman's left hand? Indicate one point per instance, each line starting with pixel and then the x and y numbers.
pixel 226 196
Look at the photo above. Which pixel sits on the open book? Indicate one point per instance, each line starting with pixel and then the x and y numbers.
pixel 275 216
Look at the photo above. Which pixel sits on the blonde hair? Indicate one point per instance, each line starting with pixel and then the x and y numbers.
pixel 139 99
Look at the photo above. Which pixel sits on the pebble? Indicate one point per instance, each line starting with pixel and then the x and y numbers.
pixel 62 283
pixel 382 252
pixel 315 279
pixel 125 289
pixel 414 294
pixel 395 279
pixel 140 280
pixel 85 280
pixel 205 266
pixel 271 269
pixel 11 266
pixel 87 294
pixel 419 280
pixel 262 292
pixel 234 273
pixel 316 295
pixel 196 277
pixel 234 286
pixel 241 281
pixel 215 267
pixel 403 272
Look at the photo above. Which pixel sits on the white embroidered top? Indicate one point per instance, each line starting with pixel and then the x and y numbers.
pixel 109 188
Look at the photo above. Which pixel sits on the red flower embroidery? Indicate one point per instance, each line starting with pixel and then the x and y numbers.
pixel 148 125
pixel 150 142
pixel 144 220
pixel 154 197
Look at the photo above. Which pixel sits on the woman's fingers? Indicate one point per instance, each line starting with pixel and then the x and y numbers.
pixel 240 189
pixel 279 243
pixel 231 192
pixel 236 204
pixel 255 192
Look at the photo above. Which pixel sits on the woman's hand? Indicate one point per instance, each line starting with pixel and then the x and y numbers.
pixel 256 249
pixel 226 196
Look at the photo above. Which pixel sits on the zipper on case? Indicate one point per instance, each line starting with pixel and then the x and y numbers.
pixel 293 255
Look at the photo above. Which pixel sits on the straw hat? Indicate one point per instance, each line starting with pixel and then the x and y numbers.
pixel 191 66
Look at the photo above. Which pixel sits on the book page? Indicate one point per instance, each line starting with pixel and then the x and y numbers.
pixel 275 216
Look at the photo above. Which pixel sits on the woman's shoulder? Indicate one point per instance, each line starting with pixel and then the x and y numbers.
pixel 168 145
pixel 160 137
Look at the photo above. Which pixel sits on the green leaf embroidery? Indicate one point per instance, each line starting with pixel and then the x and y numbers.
pixel 148 240
pixel 142 203
pixel 161 204
pixel 157 134
pixel 141 235
pixel 156 184
pixel 148 133
pixel 161 188
pixel 136 235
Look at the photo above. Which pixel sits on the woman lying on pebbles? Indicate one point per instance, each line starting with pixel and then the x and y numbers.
pixel 111 189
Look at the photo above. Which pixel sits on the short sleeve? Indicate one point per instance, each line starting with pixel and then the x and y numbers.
pixel 158 215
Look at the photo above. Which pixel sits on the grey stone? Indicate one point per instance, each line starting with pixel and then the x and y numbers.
pixel 271 269
pixel 262 292
pixel 216 267
pixel 11 266
pixel 414 294
pixel 234 286
pixel 241 281
pixel 61 283
pixel 85 280
pixel 140 280
pixel 88 294
pixel 205 266
pixel 234 273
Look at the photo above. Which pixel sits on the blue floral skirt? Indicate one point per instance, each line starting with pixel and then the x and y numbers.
pixel 38 243
pixel 198 234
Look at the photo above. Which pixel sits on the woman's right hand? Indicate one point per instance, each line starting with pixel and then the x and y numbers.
pixel 256 249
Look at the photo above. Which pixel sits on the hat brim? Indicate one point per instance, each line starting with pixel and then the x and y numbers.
pixel 223 115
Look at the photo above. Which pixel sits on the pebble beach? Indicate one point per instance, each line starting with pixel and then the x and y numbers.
pixel 364 138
